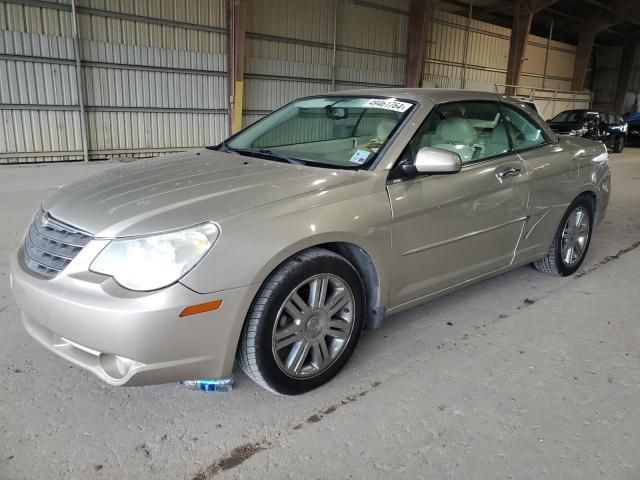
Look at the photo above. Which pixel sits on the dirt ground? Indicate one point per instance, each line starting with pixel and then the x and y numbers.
pixel 524 376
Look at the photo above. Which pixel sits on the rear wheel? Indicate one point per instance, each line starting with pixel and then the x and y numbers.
pixel 618 144
pixel 571 241
pixel 304 324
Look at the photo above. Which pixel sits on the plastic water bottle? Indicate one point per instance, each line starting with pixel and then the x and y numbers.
pixel 206 385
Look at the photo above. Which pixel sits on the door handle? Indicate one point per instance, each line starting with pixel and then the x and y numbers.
pixel 508 172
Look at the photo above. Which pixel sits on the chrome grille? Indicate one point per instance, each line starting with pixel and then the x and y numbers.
pixel 50 245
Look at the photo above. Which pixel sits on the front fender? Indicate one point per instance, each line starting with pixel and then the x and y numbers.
pixel 254 243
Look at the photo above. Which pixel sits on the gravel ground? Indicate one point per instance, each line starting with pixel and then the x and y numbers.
pixel 522 376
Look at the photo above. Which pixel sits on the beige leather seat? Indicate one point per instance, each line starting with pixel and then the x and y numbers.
pixel 458 135
pixel 384 128
pixel 498 141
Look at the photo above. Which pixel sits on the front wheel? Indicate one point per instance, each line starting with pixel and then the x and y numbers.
pixel 571 240
pixel 304 323
pixel 618 144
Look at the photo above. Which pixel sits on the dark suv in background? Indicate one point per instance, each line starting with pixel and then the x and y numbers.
pixel 633 119
pixel 606 127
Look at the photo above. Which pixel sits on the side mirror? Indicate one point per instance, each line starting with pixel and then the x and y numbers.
pixel 434 161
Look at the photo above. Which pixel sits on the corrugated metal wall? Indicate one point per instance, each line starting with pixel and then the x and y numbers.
pixel 487 50
pixel 605 78
pixel 153 71
pixel 289 56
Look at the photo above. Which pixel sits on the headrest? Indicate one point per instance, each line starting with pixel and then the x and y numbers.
pixel 499 134
pixel 384 128
pixel 456 130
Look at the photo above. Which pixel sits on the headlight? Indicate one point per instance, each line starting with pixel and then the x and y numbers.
pixel 579 132
pixel 156 261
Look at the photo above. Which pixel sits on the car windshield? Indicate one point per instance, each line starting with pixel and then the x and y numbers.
pixel 574 116
pixel 332 132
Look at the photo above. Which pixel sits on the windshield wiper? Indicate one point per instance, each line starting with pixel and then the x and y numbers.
pixel 223 147
pixel 280 156
pixel 263 152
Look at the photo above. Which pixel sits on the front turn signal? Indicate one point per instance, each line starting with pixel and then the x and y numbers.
pixel 201 308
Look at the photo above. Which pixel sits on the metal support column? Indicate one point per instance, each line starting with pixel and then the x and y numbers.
pixel 546 54
pixel 416 41
pixel 333 47
pixel 583 55
pixel 235 62
pixel 519 35
pixel 79 81
pixel 466 46
pixel 624 75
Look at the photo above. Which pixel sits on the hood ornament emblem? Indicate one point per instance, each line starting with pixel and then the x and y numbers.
pixel 44 219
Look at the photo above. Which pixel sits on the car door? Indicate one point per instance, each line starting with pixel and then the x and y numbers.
pixel 448 229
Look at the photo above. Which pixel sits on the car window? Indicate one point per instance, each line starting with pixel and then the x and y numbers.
pixel 611 119
pixel 574 116
pixel 473 130
pixel 524 132
pixel 310 125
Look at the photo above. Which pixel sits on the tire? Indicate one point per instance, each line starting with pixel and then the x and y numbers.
pixel 555 262
pixel 281 346
pixel 618 145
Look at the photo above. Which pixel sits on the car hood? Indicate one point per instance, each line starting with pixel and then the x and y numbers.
pixel 155 195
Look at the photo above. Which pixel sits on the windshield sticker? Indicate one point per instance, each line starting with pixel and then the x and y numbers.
pixel 387 104
pixel 360 157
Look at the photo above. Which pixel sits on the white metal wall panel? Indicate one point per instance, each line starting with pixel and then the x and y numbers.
pixel 38 91
pixel 289 55
pixel 154 74
pixel 121 31
pixel 27 135
pixel 487 50
pixel 22 18
pixel 281 51
pixel 198 12
pixel 151 132
pixel 310 20
pixel 268 94
pixel 32 84
pixel 361 26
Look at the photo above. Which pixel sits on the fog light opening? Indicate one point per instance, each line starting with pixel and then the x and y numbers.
pixel 115 366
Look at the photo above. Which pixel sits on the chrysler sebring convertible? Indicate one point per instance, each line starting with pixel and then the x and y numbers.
pixel 276 248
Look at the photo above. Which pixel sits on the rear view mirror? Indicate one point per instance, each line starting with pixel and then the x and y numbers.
pixel 434 161
pixel 336 113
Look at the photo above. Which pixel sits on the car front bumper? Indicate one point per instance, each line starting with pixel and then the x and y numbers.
pixel 125 337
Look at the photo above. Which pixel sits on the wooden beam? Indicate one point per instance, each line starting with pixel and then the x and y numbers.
pixel 519 35
pixel 624 75
pixel 416 41
pixel 583 55
pixel 237 12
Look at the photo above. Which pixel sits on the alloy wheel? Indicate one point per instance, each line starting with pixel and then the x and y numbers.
pixel 313 326
pixel 575 237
